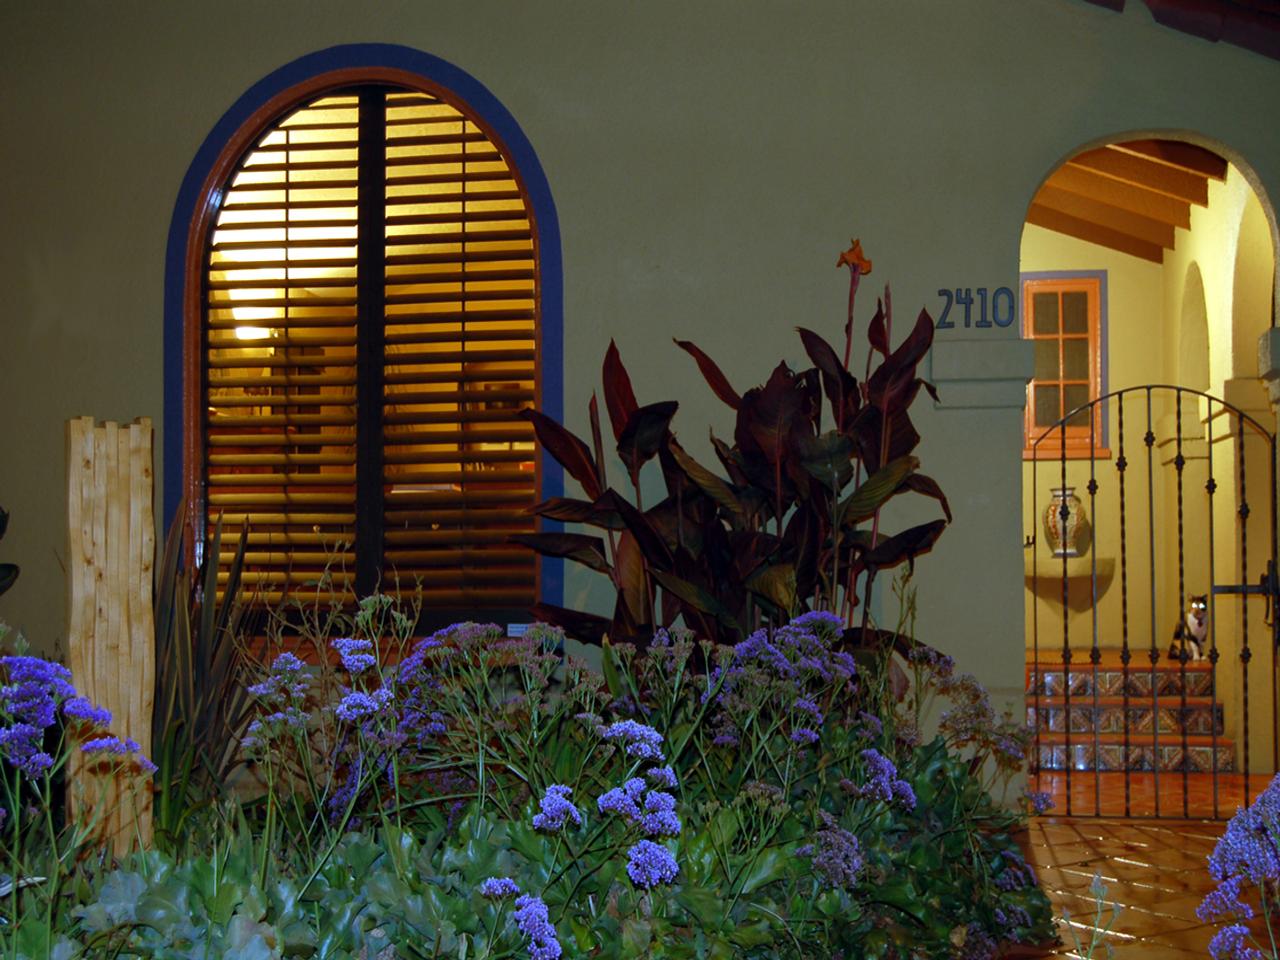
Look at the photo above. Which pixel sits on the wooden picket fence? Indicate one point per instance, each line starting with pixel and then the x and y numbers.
pixel 111 635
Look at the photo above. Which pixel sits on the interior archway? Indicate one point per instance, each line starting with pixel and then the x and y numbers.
pixel 1179 245
pixel 1193 333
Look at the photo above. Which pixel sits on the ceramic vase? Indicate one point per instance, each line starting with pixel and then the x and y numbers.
pixel 1060 532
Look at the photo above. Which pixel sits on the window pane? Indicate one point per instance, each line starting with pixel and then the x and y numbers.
pixel 1047 409
pixel 1044 308
pixel 1047 360
pixel 1073 395
pixel 1075 312
pixel 1075 359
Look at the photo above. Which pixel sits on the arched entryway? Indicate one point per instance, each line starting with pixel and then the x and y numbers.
pixel 1148 265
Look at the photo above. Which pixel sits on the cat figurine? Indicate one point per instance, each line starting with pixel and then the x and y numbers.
pixel 1192 633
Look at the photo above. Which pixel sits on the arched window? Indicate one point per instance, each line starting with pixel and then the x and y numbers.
pixel 369 314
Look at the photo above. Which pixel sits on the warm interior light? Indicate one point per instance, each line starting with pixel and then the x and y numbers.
pixel 252 333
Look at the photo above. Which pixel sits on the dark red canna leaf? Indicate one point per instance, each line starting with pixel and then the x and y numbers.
pixel 770 415
pixel 715 379
pixel 586 550
pixel 645 430
pixel 900 366
pixel 633 592
pixel 839 385
pixel 597 442
pixel 929 487
pixel 653 548
pixel 877 333
pixel 907 545
pixel 619 398
pixel 569 510
pixel 571 452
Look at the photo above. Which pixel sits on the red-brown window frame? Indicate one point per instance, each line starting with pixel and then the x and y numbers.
pixel 1076 441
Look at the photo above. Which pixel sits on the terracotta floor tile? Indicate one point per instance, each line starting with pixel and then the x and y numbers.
pixel 1156 870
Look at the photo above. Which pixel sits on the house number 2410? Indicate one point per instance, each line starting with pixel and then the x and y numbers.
pixel 1001 307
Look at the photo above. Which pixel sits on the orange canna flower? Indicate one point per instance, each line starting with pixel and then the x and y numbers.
pixel 854 260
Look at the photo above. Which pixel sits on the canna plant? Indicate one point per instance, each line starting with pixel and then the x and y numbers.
pixel 795 523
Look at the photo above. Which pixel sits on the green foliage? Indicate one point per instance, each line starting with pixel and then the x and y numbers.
pixel 815 456
pixel 201 706
pixel 394 868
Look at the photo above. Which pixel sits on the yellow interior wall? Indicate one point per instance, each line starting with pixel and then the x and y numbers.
pixel 1216 282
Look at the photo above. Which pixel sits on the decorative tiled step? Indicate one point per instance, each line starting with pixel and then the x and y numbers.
pixel 1144 752
pixel 1200 715
pixel 1168 679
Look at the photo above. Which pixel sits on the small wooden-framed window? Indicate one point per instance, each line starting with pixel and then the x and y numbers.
pixel 1062 317
pixel 370 331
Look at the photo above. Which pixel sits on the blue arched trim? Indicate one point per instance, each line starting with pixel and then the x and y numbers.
pixel 486 105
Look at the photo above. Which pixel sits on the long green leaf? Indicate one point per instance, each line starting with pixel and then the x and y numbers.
pixel 876 490
pixel 710 484
pixel 696 597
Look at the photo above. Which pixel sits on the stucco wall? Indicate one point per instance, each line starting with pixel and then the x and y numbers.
pixel 708 162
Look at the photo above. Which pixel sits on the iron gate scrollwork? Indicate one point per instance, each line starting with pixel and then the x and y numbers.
pixel 1180 494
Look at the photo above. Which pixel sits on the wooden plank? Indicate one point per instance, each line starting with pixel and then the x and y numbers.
pixel 1092 233
pixel 111 653
pixel 1104 215
pixel 1147 203
pixel 130 662
pixel 1141 172
pixel 76 573
pixel 1178 153
pixel 99 494
pixel 141 518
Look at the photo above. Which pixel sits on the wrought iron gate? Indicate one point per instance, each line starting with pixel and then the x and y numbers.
pixel 1127 723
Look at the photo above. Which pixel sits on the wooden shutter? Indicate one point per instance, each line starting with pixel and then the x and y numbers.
pixel 456 330
pixel 461 361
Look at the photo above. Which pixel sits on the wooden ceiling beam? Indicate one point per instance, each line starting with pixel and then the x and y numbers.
pixel 1104 215
pixel 1059 222
pixel 1149 174
pixel 1146 203
pixel 1178 153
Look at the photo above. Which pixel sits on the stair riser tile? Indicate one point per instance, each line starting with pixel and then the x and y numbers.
pixel 1168 681
pixel 1054 757
pixel 1110 719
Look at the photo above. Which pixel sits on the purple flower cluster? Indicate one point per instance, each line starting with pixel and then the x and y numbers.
pixel 356 704
pixel 659 819
pixel 354 653
pixel 1009 919
pixel 22 745
pixel 534 921
pixel 1248 852
pixel 286 684
pixel 119 747
pixel 260 732
pixel 1040 801
pixel 79 708
pixel 498 887
pixel 1016 873
pixel 937 663
pixel 649 864
pixel 30 700
pixel 642 741
pixel 623 800
pixel 835 853
pixel 882 782
pixel 663 777
pixel 556 809
pixel 1249 845
pixel 1234 943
